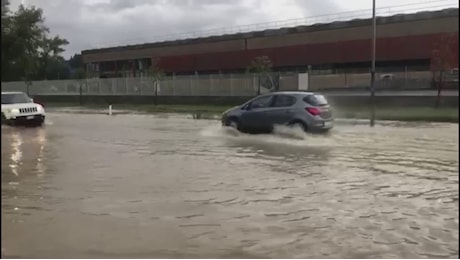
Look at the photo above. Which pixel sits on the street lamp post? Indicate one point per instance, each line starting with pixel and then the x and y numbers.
pixel 372 88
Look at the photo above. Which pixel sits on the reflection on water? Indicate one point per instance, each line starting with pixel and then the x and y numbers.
pixel 142 186
pixel 17 141
pixel 23 153
pixel 16 154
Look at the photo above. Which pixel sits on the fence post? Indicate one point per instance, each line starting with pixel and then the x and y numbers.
pixel 191 84
pixel 346 79
pixel 66 87
pixel 174 84
pixel 254 86
pixel 80 84
pixel 231 85
pixel 112 86
pixel 126 85
pixel 210 85
pixel 405 76
pixel 141 84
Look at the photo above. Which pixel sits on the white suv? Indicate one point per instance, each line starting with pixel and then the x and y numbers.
pixel 19 108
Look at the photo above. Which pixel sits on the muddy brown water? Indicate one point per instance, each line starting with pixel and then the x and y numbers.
pixel 140 186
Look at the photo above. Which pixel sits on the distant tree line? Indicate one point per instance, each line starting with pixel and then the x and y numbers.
pixel 29 52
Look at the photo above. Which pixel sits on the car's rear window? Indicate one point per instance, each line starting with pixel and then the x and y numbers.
pixel 315 100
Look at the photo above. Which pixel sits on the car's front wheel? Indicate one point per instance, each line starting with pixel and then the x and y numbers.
pixel 38 123
pixel 233 123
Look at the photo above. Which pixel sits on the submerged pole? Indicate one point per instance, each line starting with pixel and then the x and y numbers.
pixel 372 88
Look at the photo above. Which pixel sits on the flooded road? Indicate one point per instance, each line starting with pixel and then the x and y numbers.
pixel 139 186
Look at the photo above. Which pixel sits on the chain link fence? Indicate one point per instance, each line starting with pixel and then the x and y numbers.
pixel 228 84
pixel 199 85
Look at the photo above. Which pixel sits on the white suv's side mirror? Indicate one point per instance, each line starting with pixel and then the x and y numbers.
pixel 32 100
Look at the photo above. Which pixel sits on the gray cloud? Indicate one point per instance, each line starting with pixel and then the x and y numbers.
pixel 89 24
pixel 318 8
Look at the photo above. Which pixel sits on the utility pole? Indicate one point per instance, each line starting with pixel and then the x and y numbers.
pixel 372 88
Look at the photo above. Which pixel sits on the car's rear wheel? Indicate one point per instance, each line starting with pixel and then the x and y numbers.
pixel 299 125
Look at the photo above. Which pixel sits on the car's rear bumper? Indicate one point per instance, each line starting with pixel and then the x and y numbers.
pixel 29 120
pixel 321 126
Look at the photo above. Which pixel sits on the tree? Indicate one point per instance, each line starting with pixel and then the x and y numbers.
pixel 156 74
pixel 78 73
pixel 50 59
pixel 57 68
pixel 26 48
pixel 5 7
pixel 76 61
pixel 261 66
pixel 443 59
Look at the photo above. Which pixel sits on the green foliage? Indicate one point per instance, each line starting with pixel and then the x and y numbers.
pixel 442 60
pixel 155 72
pixel 5 8
pixel 76 61
pixel 260 65
pixel 443 54
pixel 28 53
pixel 78 73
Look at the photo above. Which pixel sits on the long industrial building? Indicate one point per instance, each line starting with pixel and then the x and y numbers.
pixel 405 40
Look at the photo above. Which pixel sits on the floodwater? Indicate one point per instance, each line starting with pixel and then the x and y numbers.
pixel 140 186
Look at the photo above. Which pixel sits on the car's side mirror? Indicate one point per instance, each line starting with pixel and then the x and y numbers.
pixel 246 107
pixel 32 100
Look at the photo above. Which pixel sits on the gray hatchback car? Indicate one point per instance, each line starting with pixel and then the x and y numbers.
pixel 307 110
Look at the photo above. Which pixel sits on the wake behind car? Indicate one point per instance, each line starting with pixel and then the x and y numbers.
pixel 19 109
pixel 307 110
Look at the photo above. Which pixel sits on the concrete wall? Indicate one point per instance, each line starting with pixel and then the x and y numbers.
pixel 388 27
pixel 402 49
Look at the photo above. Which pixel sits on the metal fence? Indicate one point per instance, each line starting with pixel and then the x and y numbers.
pixel 384 80
pixel 200 85
pixel 225 84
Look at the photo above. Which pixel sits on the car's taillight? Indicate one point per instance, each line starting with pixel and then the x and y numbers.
pixel 313 110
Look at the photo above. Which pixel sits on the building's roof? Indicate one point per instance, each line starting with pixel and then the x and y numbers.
pixel 425 15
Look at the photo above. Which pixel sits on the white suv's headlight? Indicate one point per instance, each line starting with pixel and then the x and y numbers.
pixel 15 111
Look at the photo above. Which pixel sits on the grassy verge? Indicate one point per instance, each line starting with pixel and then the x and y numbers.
pixel 427 114
pixel 382 113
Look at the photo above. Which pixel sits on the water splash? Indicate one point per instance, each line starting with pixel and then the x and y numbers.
pixel 282 135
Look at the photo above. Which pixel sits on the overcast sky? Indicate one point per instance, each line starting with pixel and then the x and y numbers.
pixel 91 24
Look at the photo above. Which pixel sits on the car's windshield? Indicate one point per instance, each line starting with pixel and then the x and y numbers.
pixel 315 100
pixel 15 98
